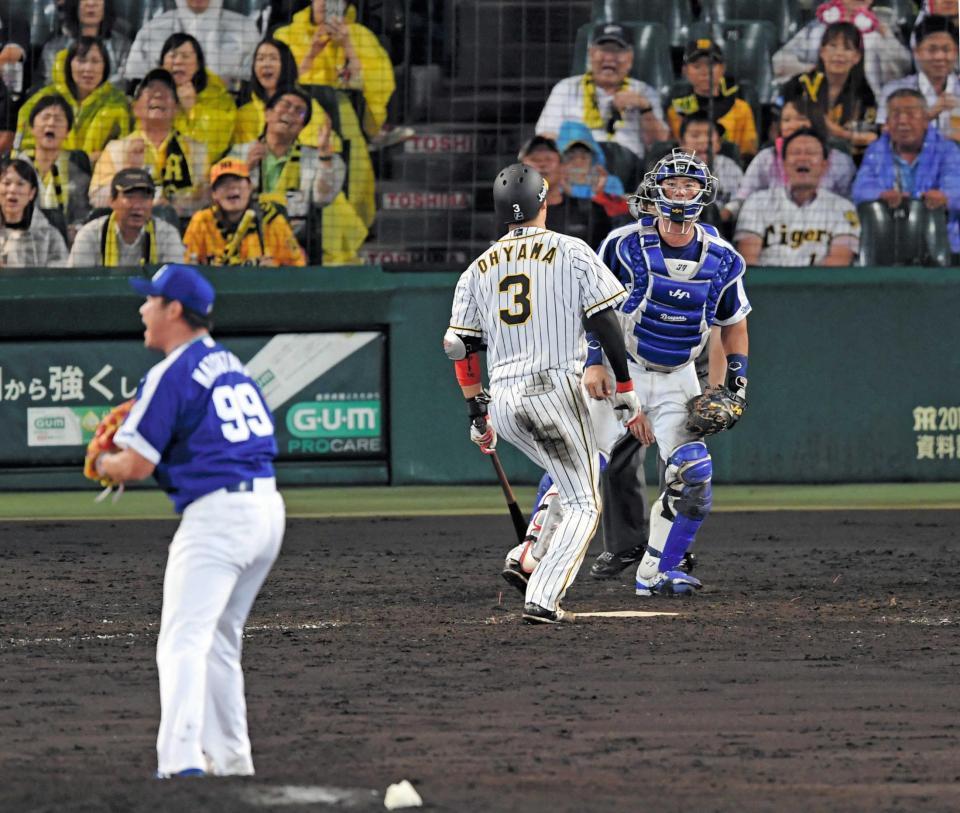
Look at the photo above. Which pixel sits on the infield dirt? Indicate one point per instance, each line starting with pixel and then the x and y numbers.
pixel 817 670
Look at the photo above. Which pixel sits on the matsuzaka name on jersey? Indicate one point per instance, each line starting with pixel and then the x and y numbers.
pixel 426 200
pixel 460 143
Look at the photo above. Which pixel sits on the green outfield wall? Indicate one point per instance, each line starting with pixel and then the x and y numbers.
pixel 854 374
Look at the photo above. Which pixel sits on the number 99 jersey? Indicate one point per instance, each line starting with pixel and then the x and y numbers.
pixel 201 420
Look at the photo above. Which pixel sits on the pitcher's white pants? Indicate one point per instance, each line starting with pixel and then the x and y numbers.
pixel 545 416
pixel 219 558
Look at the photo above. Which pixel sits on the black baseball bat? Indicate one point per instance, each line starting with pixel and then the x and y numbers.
pixel 516 515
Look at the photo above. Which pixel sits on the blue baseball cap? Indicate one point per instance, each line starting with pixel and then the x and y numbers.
pixel 181 282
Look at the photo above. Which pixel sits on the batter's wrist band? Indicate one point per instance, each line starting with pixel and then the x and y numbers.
pixel 625 386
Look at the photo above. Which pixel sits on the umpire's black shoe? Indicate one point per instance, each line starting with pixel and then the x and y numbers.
pixel 609 565
pixel 535 614
pixel 514 576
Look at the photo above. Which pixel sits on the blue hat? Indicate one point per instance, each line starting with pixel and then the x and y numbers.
pixel 181 282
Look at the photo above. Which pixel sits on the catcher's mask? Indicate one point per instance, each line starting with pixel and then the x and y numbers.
pixel 679 164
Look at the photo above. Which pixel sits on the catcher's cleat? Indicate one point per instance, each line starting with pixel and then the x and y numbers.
pixel 688 563
pixel 668 583
pixel 535 614
pixel 515 577
pixel 608 565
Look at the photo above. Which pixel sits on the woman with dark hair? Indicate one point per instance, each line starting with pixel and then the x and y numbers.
pixel 27 240
pixel 64 175
pixel 838 86
pixel 207 110
pixel 85 18
pixel 100 110
pixel 885 57
pixel 274 67
pixel 766 169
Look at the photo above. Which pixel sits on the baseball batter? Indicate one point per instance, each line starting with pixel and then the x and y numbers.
pixel 524 299
pixel 200 426
pixel 681 278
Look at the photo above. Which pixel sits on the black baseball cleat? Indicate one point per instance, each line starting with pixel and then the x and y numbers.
pixel 609 565
pixel 515 577
pixel 535 614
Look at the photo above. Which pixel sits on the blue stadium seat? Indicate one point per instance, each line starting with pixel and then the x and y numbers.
pixel 651 54
pixel 43 19
pixel 908 235
pixel 675 15
pixel 784 14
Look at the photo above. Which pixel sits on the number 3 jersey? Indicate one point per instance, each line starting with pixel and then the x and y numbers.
pixel 201 420
pixel 674 294
pixel 524 297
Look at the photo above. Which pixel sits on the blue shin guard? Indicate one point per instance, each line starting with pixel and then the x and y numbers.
pixel 680 510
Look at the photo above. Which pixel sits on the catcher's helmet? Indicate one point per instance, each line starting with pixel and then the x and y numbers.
pixel 679 164
pixel 518 193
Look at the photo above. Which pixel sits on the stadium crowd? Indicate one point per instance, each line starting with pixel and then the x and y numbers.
pixel 250 137
pixel 204 135
pixel 860 112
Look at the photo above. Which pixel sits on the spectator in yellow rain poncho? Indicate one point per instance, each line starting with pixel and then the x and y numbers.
pixel 100 110
pixel 207 110
pixel 237 230
pixel 331 49
pixel 274 67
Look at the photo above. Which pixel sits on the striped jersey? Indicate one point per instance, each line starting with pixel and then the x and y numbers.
pixel 525 296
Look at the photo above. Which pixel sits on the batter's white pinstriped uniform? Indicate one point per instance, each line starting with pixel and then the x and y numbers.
pixel 524 297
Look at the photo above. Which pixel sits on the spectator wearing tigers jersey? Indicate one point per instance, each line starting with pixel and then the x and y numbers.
pixel 236 231
pixel 800 224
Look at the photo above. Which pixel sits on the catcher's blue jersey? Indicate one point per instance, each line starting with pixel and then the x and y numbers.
pixel 674 294
pixel 201 419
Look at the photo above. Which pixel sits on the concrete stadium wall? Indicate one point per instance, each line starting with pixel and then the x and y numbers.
pixel 854 373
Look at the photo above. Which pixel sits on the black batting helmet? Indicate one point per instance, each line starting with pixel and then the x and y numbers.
pixel 518 193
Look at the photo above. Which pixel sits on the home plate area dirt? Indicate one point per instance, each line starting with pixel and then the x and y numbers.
pixel 816 670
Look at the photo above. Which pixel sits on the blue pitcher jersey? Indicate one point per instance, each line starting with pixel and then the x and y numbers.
pixel 201 420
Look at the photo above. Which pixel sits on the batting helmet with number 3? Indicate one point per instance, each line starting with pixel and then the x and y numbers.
pixel 518 193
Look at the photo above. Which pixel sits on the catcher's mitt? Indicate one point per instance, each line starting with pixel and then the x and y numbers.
pixel 715 411
pixel 102 441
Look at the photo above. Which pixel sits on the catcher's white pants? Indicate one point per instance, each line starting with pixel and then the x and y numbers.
pixel 219 558
pixel 663 397
pixel 545 416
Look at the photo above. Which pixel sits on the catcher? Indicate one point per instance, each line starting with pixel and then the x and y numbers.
pixel 102 443
pixel 681 278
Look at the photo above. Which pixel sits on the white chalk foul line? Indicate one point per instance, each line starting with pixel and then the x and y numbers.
pixel 621 614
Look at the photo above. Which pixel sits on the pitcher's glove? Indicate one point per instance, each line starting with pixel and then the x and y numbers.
pixel 716 410
pixel 102 442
